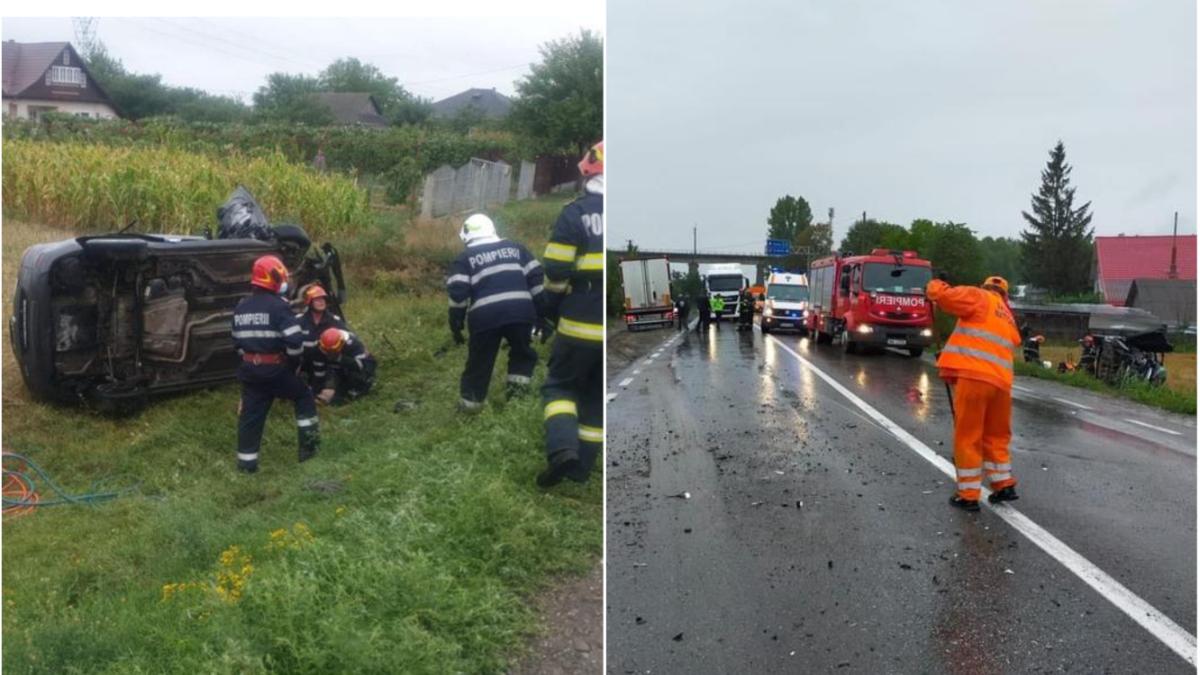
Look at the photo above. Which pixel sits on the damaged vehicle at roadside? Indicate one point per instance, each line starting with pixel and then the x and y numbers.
pixel 116 318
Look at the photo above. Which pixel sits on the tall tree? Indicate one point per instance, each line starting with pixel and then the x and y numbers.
pixel 952 248
pixel 817 239
pixel 1002 256
pixel 865 235
pixel 1057 246
pixel 138 96
pixel 560 104
pixel 790 217
pixel 288 98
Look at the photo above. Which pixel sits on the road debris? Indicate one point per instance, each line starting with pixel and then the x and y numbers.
pixel 681 495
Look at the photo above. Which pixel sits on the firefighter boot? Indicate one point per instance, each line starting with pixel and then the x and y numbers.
pixel 309 441
pixel 247 466
pixel 964 504
pixel 1005 494
pixel 555 473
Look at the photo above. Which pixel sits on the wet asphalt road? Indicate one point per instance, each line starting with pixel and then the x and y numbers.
pixel 815 541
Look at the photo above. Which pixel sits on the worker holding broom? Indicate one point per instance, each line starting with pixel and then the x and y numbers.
pixel 978 361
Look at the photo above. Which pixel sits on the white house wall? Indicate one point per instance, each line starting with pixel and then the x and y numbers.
pixel 69 107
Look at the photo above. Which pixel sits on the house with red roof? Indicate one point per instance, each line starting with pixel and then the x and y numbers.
pixel 42 77
pixel 1121 259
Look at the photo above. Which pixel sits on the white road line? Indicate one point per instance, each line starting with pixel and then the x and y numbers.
pixel 1158 624
pixel 1069 402
pixel 1151 426
pixel 637 372
pixel 611 397
pixel 625 382
pixel 1027 391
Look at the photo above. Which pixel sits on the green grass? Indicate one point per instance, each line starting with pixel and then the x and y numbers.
pixel 428 535
pixel 1160 397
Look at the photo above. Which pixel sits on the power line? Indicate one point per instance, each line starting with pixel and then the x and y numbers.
pixel 459 77
pixel 205 36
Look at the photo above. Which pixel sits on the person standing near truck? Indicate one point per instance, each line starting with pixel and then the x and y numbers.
pixel 717 305
pixel 682 309
pixel 978 361
pixel 704 310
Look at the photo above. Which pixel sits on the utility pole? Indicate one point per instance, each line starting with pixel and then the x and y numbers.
pixel 1174 272
pixel 693 243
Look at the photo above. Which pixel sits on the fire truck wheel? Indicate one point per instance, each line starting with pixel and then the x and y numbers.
pixel 848 345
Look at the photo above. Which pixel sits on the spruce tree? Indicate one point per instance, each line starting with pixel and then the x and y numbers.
pixel 1056 249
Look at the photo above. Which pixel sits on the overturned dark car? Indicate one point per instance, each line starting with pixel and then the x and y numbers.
pixel 113 319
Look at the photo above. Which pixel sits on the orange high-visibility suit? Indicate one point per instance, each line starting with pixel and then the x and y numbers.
pixel 978 360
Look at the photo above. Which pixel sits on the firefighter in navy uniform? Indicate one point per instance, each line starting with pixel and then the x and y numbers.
pixel 343 369
pixel 495 288
pixel 270 342
pixel 314 320
pixel 573 393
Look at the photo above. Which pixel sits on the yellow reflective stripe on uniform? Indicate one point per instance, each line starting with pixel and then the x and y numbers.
pixel 591 434
pixel 560 252
pixel 979 354
pixel 984 335
pixel 590 262
pixel 560 407
pixel 557 286
pixel 580 330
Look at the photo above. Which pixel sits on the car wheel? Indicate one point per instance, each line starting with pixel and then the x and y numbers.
pixel 916 352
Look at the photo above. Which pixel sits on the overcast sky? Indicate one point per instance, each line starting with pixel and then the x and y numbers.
pixel 921 109
pixel 432 57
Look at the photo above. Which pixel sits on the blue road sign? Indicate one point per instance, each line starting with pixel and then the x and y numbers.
pixel 778 247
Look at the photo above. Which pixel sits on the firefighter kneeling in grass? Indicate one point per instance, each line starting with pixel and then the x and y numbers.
pixel 314 320
pixel 978 360
pixel 343 369
pixel 270 341
pixel 574 390
pixel 495 285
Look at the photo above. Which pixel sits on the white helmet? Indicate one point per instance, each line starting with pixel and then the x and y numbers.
pixel 478 226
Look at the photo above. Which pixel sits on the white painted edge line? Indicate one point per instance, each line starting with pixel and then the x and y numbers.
pixel 611 396
pixel 1077 405
pixel 637 371
pixel 625 382
pixel 1151 426
pixel 1158 624
pixel 1019 388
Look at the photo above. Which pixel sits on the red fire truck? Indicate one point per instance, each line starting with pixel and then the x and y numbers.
pixel 875 300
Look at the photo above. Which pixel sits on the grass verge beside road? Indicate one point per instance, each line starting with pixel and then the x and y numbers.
pixel 1166 397
pixel 410 544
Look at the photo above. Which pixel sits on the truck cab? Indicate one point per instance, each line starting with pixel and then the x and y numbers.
pixel 872 301
pixel 727 281
pixel 786 302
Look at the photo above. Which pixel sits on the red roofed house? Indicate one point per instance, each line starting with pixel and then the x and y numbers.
pixel 1121 259
pixel 41 77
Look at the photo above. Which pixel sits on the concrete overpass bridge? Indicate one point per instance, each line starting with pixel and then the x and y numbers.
pixel 761 262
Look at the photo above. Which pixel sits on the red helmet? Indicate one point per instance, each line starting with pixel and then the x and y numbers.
pixel 592 163
pixel 332 340
pixel 269 272
pixel 313 292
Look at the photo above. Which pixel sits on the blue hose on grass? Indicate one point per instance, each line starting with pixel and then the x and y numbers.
pixel 88 498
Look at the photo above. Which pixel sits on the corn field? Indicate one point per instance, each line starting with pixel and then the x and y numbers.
pixel 90 188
